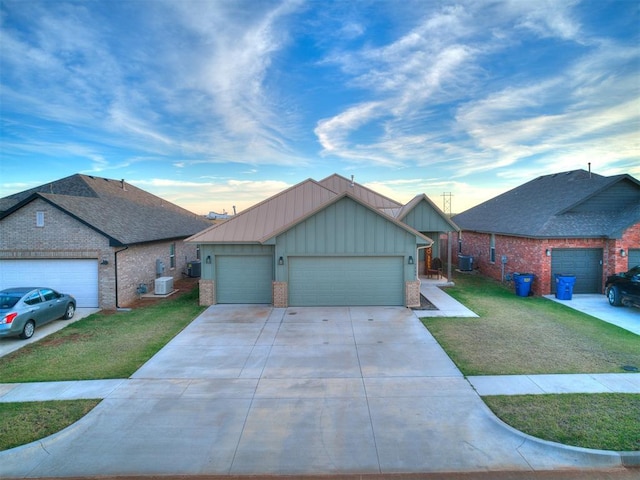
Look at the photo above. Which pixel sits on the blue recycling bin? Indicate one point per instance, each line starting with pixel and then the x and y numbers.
pixel 523 283
pixel 564 286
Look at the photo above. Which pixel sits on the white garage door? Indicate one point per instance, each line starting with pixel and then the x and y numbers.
pixel 77 277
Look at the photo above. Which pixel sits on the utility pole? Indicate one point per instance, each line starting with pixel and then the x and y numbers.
pixel 446 203
pixel 446 208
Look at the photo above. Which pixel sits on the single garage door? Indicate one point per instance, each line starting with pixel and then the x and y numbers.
pixel 328 281
pixel 77 277
pixel 634 257
pixel 584 263
pixel 244 279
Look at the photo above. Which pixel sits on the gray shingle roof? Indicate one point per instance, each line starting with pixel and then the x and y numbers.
pixel 572 204
pixel 116 209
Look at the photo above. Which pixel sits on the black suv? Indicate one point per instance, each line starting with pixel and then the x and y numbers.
pixel 624 288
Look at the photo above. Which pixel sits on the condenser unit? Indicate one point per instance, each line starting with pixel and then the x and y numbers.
pixel 163 285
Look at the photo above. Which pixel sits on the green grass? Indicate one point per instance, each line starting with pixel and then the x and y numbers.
pixel 528 335
pixel 103 345
pixel 533 335
pixel 604 421
pixel 26 422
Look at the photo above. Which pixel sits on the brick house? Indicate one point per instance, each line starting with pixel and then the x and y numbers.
pixel 575 222
pixel 96 238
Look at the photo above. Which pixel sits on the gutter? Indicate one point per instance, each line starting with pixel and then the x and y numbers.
pixel 116 279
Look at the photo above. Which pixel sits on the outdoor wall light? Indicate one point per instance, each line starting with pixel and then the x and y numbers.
pixel 281 261
pixel 208 259
pixel 623 253
pixel 410 260
pixel 548 252
pixel 104 261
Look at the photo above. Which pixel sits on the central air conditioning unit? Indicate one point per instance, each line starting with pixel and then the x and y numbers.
pixel 163 285
pixel 465 263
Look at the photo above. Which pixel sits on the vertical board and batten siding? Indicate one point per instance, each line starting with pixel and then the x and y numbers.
pixel 346 254
pixel 584 263
pixel 242 273
pixel 424 218
pixel 346 228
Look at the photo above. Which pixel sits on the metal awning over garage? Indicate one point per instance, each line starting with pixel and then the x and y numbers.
pixel 340 281
pixel 78 277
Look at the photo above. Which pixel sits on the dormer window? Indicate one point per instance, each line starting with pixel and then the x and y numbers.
pixel 39 219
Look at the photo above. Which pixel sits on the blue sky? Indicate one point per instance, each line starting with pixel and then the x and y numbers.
pixel 212 104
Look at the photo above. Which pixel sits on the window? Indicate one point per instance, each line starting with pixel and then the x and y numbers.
pixel 48 294
pixel 172 255
pixel 33 299
pixel 39 219
pixel 492 249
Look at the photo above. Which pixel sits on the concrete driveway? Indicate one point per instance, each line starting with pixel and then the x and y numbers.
pixel 258 390
pixel 598 306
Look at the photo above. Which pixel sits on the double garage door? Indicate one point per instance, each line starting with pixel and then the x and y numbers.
pixel 77 277
pixel 327 281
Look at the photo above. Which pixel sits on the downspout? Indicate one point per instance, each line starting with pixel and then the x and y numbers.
pixel 116 273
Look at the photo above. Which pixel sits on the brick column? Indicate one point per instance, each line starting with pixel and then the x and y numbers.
pixel 412 293
pixel 280 294
pixel 207 292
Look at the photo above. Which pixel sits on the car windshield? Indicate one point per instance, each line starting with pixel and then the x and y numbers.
pixel 8 301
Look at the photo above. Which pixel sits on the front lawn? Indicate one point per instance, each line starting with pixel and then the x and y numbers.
pixel 103 345
pixel 25 422
pixel 605 421
pixel 528 335
pixel 533 335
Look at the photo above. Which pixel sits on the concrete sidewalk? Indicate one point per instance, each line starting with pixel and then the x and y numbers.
pixel 250 390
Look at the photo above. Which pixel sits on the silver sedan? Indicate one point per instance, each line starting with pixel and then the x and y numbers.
pixel 25 308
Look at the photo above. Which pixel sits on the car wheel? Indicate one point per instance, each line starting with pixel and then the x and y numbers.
pixel 614 297
pixel 69 312
pixel 27 331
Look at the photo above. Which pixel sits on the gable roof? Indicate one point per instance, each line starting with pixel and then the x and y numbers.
pixel 282 211
pixel 415 201
pixel 574 204
pixel 339 184
pixel 122 212
pixel 268 216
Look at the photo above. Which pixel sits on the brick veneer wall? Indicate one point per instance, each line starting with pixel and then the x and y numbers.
pixel 280 294
pixel 207 293
pixel 137 265
pixel 527 255
pixel 412 293
pixel 63 237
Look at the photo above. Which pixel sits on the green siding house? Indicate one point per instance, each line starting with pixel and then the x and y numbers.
pixel 326 243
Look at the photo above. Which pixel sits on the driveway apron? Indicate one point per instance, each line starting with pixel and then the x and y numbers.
pixel 258 390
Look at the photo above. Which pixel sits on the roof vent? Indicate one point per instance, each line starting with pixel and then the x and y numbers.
pixel 122 185
pixel 352 184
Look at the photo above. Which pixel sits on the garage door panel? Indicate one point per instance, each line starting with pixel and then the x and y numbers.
pixel 78 277
pixel 343 281
pixel 244 279
pixel 584 263
pixel 634 257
